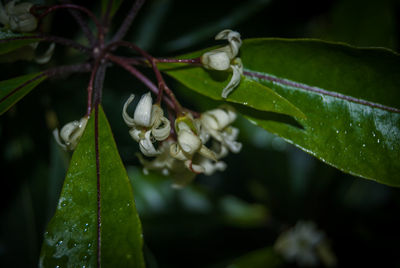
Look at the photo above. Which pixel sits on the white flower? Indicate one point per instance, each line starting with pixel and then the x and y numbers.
pixel 46 56
pixel 299 243
pixel 18 17
pixel 224 58
pixel 188 144
pixel 70 134
pixel 147 125
pixel 217 123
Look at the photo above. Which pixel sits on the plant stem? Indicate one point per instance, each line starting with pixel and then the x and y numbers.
pixel 192 61
pixel 135 72
pixel 76 7
pixel 107 14
pixel 161 83
pixel 83 24
pixel 126 24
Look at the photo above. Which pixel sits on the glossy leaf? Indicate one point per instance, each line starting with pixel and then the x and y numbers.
pixel 14 89
pixel 71 239
pixel 261 258
pixel 249 93
pixel 349 95
pixel 11 41
pixel 114 8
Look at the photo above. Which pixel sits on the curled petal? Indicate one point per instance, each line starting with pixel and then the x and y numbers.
pixel 233 38
pixel 156 114
pixel 142 115
pixel 233 146
pixel 189 142
pixel 207 153
pixel 176 152
pixel 161 131
pixel 56 135
pixel 210 167
pixel 220 150
pixel 193 167
pixel 235 80
pixel 146 146
pixel 136 134
pixel 45 58
pixel 128 120
pixel 71 133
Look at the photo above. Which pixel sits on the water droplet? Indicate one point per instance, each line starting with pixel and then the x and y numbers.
pixel 363 145
pixel 345 132
pixel 59 243
pixel 337 131
pixel 89 245
pixel 85 230
pixel 86 224
pixel 373 134
pixel 63 204
pixel 378 140
pixel 128 204
pixel 350 124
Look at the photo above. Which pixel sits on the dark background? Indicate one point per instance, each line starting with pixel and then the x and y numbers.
pixel 268 186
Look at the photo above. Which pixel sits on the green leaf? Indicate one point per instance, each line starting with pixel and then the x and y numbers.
pixel 14 89
pixel 261 258
pixel 10 41
pixel 349 95
pixel 249 93
pixel 114 8
pixel 71 239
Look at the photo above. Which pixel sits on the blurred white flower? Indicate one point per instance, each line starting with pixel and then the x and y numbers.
pixel 217 123
pixel 224 58
pixel 70 134
pixel 17 16
pixel 303 244
pixel 148 124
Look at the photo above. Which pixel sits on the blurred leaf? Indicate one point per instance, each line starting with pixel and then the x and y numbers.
pixel 10 41
pixel 239 213
pixel 14 89
pixel 71 238
pixel 349 95
pixel 249 93
pixel 228 20
pixel 357 23
pixel 261 258
pixel 114 8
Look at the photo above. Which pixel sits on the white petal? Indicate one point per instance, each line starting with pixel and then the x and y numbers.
pixel 163 130
pixel 72 132
pixel 45 57
pixel 189 142
pixel 128 120
pixel 176 152
pixel 233 38
pixel 218 59
pixel 234 146
pixel 142 115
pixel 210 167
pixel 147 147
pixel 204 151
pixel 136 134
pixel 235 80
pixel 56 135
pixel 193 167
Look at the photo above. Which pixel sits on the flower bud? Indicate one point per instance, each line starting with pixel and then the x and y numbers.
pixel 216 60
pixel 70 134
pixel 189 142
pixel 142 115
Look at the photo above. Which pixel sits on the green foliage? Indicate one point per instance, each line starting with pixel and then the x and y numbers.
pixel 114 8
pixel 348 96
pixel 9 41
pixel 14 89
pixel 71 238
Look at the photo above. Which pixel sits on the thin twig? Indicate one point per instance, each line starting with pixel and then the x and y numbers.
pixel 135 72
pixel 126 24
pixel 83 24
pixel 76 7
pixel 161 83
pixel 192 61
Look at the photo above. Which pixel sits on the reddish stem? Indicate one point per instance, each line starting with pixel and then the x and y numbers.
pixel 161 83
pixel 191 61
pixel 135 72
pixel 76 7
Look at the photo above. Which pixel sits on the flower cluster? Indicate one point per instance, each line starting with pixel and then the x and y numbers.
pixel 17 16
pixel 306 245
pixel 184 154
pixel 70 134
pixel 224 59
